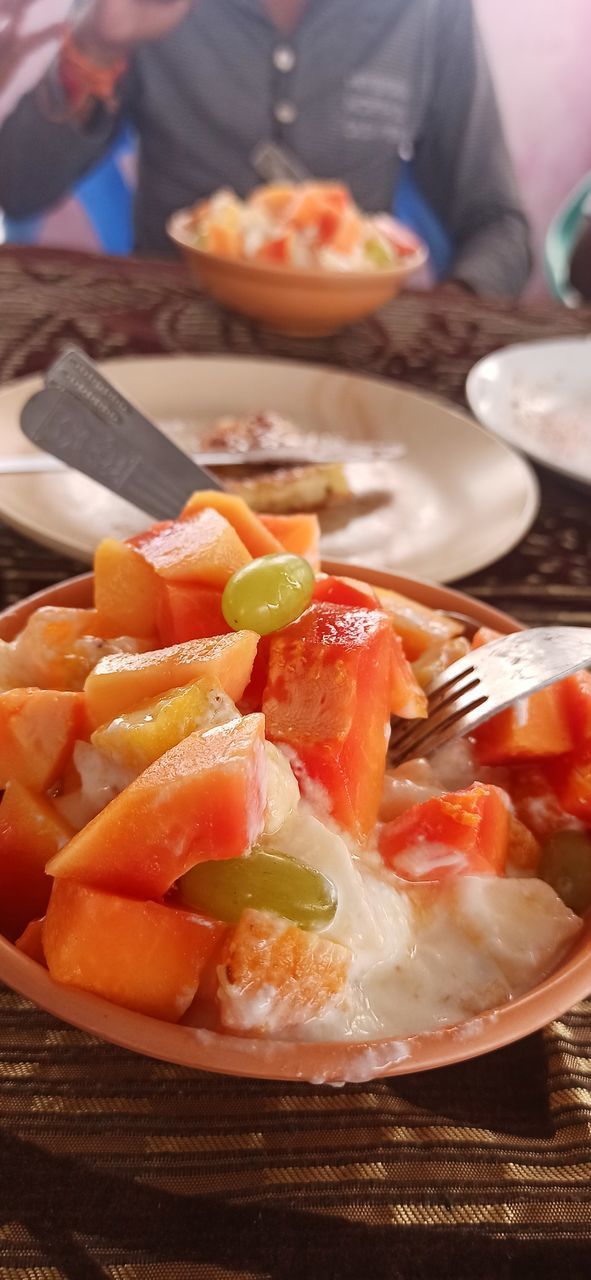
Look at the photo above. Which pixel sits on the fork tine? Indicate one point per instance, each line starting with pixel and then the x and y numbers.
pixel 458 669
pixel 423 732
pixel 453 689
pixel 449 695
pixel 457 725
pixel 486 681
pixel 419 731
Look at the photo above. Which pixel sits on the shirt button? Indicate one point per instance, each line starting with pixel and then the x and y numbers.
pixel 285 112
pixel 284 58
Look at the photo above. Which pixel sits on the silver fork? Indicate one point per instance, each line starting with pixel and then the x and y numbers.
pixel 488 680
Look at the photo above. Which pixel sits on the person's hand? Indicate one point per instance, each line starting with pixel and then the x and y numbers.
pixel 14 44
pixel 109 28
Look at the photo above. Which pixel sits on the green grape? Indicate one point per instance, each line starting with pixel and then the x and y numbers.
pixel 268 593
pixel 265 880
pixel 566 865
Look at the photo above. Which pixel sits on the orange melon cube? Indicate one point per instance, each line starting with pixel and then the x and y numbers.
pixel 38 728
pixel 257 539
pixel 204 799
pixel 31 832
pixel 203 548
pixel 299 534
pixel 276 975
pixel 126 590
pixel 142 955
pixel 137 738
pixel 125 680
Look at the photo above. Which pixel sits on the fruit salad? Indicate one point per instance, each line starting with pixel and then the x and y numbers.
pixel 199 821
pixel 311 224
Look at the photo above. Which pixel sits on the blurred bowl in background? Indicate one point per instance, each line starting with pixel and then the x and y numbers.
pixel 307 302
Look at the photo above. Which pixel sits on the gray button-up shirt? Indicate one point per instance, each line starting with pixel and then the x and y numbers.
pixel 359 85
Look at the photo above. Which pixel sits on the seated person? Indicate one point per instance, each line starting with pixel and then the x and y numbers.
pixel 351 89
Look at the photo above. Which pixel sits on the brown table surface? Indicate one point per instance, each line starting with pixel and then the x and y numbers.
pixel 114 1165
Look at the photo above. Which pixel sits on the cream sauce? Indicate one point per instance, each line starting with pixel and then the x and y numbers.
pixel 425 956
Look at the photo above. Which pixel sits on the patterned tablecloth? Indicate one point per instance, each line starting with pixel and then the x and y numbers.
pixel 113 1165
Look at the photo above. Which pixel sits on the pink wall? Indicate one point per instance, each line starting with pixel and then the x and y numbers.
pixel 539 51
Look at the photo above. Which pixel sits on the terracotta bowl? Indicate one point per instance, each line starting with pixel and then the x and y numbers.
pixel 304 302
pixel 333 1063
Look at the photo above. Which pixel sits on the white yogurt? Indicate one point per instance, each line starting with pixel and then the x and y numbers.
pixel 425 955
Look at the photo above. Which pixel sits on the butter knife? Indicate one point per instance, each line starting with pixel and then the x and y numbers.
pixel 84 421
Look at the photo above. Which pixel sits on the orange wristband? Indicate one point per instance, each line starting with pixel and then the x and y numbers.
pixel 84 79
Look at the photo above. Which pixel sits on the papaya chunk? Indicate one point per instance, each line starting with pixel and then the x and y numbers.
pixel 408 698
pixel 534 728
pixel 327 699
pixel 203 799
pixel 570 778
pixel 460 833
pixel 576 695
pixel 38 728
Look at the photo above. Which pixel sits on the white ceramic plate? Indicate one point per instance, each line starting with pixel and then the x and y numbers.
pixel 456 501
pixel 537 396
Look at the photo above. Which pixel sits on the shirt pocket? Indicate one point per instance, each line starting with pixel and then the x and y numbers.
pixel 376 108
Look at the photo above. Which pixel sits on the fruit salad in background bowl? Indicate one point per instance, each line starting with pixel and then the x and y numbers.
pixel 300 258
pixel 204 854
